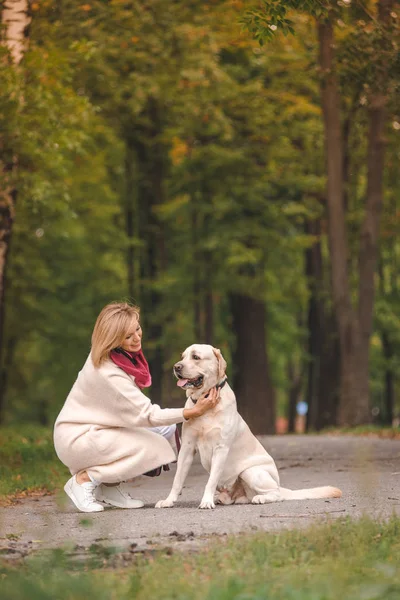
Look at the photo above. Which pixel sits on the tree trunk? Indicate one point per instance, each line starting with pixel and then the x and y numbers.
pixel 323 352
pixel 295 385
pixel 154 166
pixel 313 264
pixel 154 330
pixel 354 398
pixel 131 223
pixel 203 302
pixel 208 295
pixel 9 357
pixel 252 382
pixel 387 346
pixel 14 18
pixel 208 315
pixel 370 232
pixel 329 373
pixel 354 328
pixel 208 272
pixel 197 290
pixel 368 256
pixel 323 377
pixel 152 304
pixel 389 379
pixel 7 213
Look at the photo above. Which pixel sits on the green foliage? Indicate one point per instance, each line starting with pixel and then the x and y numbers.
pixel 352 559
pixel 28 462
pixel 276 16
pixel 186 100
pixel 366 63
pixel 160 129
pixel 65 263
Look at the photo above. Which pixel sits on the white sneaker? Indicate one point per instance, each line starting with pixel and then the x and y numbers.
pixel 115 495
pixel 82 495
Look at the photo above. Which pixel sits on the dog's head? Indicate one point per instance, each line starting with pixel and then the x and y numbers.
pixel 200 369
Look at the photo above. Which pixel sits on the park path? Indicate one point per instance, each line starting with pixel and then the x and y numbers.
pixel 367 470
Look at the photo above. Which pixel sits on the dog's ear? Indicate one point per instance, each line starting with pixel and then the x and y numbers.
pixel 221 363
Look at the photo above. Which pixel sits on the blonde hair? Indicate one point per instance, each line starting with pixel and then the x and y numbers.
pixel 111 328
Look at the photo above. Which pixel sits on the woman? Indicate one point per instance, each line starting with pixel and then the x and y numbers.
pixel 102 433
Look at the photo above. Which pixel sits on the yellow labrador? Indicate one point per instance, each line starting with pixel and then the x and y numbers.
pixel 240 469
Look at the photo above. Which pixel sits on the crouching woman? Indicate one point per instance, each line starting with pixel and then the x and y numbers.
pixel 108 431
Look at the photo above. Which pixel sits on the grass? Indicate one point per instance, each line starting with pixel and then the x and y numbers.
pixel 343 559
pixel 28 462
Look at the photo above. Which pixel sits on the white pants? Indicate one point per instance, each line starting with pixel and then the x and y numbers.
pixel 167 431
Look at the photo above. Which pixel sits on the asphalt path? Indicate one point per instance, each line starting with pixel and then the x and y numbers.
pixel 366 470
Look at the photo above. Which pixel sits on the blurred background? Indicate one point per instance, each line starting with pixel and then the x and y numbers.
pixel 173 154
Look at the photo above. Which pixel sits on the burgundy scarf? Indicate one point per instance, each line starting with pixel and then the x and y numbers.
pixel 133 363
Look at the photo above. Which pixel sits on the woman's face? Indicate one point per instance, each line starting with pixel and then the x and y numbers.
pixel 133 338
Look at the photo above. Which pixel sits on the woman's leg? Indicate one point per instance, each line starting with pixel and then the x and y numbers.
pixel 169 433
pixel 114 455
pixel 133 453
pixel 82 477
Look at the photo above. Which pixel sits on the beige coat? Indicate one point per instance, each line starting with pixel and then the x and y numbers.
pixel 101 427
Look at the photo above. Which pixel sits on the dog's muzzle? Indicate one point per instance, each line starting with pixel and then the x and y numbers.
pixel 186 383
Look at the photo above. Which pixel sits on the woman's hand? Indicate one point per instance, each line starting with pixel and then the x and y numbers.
pixel 206 402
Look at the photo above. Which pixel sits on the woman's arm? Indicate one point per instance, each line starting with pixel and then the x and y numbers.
pixel 204 403
pixel 138 411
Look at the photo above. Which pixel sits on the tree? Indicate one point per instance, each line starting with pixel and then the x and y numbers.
pixel 14 20
pixel 195 166
pixel 165 156
pixel 354 323
pixel 58 140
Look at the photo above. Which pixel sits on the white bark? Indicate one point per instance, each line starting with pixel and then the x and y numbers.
pixel 14 17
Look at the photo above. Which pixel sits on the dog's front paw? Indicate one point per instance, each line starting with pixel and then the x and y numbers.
pixel 165 503
pixel 205 503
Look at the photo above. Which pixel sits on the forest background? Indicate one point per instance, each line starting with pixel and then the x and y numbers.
pixel 231 167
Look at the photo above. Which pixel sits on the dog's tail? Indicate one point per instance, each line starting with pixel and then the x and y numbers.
pixel 326 491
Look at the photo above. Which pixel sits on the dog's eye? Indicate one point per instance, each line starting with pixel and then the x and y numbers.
pixel 195 357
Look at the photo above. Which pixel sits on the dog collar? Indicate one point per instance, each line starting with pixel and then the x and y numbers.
pixel 219 386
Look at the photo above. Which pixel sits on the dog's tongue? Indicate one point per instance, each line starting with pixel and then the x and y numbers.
pixel 182 382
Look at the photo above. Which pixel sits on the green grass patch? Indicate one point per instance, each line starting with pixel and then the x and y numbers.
pixel 28 462
pixel 343 559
